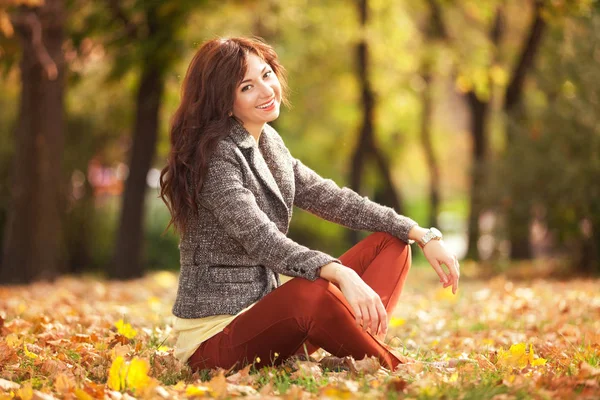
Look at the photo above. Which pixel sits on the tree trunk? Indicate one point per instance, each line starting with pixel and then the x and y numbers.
pixel 479 111
pixel 127 262
pixel 519 216
pixel 33 232
pixel 366 146
pixel 432 164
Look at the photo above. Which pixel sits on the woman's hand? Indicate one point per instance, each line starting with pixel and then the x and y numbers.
pixel 365 302
pixel 437 254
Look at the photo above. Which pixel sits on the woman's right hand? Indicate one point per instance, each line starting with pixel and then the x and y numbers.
pixel 365 302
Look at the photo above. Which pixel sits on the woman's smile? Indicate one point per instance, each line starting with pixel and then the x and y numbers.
pixel 268 106
pixel 258 96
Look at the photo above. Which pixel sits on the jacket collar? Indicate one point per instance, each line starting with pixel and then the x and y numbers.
pixel 241 136
pixel 264 159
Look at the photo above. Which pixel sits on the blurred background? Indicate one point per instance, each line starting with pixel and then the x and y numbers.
pixel 478 117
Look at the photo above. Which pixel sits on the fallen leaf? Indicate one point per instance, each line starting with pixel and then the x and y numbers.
pixel 8 385
pixel 306 369
pixel 125 329
pixel 197 391
pixel 587 371
pixel 397 384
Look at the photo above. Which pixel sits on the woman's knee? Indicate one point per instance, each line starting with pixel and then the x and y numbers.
pixel 388 241
pixel 304 293
pixel 311 297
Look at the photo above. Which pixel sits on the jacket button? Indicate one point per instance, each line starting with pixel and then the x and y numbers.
pixel 302 270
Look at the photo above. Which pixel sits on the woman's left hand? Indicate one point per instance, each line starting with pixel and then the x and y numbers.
pixel 437 254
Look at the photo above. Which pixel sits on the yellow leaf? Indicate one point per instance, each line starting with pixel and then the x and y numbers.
pixel 13 340
pixel 395 322
pixel 515 357
pixel 336 393
pixel 518 357
pixel 82 395
pixel 137 374
pixel 132 375
pixel 116 374
pixel 453 377
pixel 125 329
pixel 535 362
pixel 26 392
pixel 192 391
pixel 28 353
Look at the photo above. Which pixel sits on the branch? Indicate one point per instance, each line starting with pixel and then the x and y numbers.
pixel 29 19
pixel 515 88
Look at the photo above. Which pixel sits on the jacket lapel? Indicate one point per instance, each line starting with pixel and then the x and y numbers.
pixel 255 159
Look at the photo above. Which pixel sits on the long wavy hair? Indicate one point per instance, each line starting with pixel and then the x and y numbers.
pixel 203 118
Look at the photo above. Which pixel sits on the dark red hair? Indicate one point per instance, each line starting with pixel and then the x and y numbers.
pixel 202 119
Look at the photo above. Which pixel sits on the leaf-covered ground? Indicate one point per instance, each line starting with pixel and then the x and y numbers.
pixel 85 338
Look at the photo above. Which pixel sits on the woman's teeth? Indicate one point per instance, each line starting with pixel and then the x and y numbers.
pixel 269 104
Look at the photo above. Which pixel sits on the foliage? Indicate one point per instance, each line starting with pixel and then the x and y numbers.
pixel 555 159
pixel 530 339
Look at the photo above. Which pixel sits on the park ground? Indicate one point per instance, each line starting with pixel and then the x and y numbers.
pixel 503 337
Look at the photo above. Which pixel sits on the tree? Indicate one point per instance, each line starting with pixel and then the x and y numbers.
pixel 33 232
pixel 147 42
pixel 367 145
pixel 519 206
pixel 478 96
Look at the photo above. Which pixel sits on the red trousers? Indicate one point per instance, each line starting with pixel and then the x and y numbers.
pixel 303 314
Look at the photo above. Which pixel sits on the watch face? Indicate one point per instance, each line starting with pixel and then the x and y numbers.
pixel 436 232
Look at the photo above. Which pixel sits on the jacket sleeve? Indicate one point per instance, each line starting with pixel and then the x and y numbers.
pixel 324 198
pixel 235 208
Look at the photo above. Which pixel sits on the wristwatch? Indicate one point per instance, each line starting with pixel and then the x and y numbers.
pixel 431 234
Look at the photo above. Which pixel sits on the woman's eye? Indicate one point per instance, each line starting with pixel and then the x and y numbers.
pixel 245 88
pixel 267 74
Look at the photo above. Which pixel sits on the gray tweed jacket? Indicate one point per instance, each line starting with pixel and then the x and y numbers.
pixel 233 251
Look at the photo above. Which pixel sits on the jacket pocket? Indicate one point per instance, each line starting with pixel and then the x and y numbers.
pixel 229 274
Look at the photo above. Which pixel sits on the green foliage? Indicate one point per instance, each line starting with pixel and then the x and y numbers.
pixel 555 159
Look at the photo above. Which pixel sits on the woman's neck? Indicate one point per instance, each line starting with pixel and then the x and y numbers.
pixel 255 131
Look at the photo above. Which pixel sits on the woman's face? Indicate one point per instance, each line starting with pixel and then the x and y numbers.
pixel 258 97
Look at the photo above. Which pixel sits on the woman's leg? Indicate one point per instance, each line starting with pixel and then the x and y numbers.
pixel 383 262
pixel 302 311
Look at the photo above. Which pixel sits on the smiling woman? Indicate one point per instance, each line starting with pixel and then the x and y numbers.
pixel 258 96
pixel 231 184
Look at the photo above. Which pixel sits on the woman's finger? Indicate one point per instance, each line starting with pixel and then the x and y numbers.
pixel 358 314
pixel 383 321
pixel 366 317
pixel 374 318
pixel 451 264
pixel 457 265
pixel 457 269
pixel 441 273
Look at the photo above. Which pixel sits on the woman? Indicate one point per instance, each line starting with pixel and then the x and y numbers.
pixel 230 185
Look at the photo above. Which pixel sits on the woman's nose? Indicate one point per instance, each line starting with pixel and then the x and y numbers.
pixel 266 90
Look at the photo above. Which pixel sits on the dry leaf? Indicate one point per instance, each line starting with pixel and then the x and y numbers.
pixel 8 385
pixel 397 384
pixel 368 365
pixel 218 385
pixel 306 369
